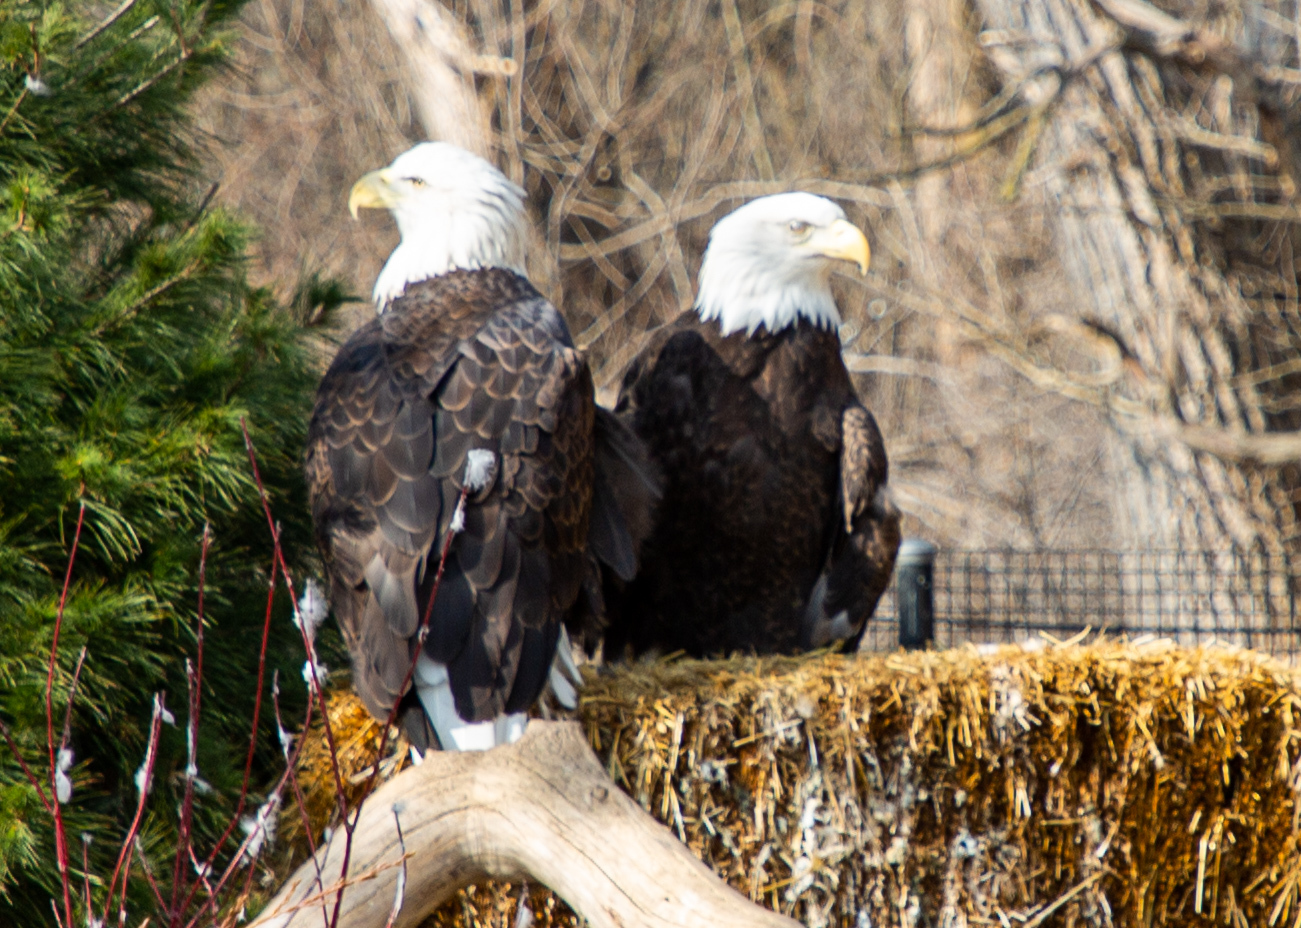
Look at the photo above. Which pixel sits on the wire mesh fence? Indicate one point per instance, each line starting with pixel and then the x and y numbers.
pixel 992 596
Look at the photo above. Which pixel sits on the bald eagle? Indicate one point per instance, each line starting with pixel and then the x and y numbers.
pixel 466 378
pixel 776 532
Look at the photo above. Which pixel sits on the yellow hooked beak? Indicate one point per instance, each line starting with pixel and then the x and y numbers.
pixel 375 191
pixel 842 240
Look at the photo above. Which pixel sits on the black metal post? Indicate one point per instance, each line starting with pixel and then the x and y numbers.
pixel 914 573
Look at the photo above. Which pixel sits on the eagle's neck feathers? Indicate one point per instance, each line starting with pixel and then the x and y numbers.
pixel 743 294
pixel 488 232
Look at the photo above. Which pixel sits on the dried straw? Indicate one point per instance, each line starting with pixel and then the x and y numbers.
pixel 1127 784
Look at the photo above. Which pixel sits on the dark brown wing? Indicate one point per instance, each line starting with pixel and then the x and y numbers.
pixel 740 536
pixel 626 493
pixel 471 360
pixel 865 539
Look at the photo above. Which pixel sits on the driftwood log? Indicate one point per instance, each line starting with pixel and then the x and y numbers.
pixel 541 809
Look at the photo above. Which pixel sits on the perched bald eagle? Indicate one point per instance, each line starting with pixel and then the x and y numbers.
pixel 467 376
pixel 776 532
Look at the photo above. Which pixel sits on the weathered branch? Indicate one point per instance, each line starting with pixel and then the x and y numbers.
pixel 542 808
pixel 441 66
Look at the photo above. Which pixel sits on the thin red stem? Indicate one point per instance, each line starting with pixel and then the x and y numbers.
pixel 301 804
pixel 27 771
pixel 85 868
pixel 201 871
pixel 151 757
pixel 253 735
pixel 315 684
pixel 126 881
pixel 276 791
pixel 72 695
pixel 149 877
pixel 307 641
pixel 60 834
pixel 349 825
pixel 184 846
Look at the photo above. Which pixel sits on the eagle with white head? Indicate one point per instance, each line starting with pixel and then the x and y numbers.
pixel 466 379
pixel 776 532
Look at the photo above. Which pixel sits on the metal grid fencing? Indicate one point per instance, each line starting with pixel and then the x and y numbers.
pixel 993 596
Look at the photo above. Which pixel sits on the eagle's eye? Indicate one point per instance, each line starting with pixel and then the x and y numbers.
pixel 798 227
pixel 415 181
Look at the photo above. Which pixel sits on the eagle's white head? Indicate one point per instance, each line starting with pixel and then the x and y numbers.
pixel 769 263
pixel 454 210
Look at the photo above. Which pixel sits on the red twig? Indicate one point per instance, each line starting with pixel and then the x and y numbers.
pixel 315 684
pixel 149 877
pixel 27 771
pixel 195 680
pixel 291 764
pixel 252 740
pixel 126 881
pixel 301 804
pixel 201 870
pixel 147 773
pixel 307 641
pixel 85 868
pixel 60 834
pixel 72 695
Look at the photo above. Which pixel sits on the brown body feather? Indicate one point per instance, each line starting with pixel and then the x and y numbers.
pixel 774 522
pixel 471 359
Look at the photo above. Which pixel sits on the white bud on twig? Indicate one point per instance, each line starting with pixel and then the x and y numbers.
pixel 142 778
pixel 320 670
pixel 458 518
pixel 480 469
pixel 37 87
pixel 62 782
pixel 312 609
pixel 167 716
pixel 261 829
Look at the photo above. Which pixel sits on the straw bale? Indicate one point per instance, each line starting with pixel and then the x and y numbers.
pixel 1110 783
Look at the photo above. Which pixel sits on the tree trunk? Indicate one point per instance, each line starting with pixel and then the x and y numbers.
pixel 541 809
pixel 1147 137
pixel 441 67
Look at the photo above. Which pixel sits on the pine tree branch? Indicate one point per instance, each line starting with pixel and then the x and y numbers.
pixel 107 23
pixel 183 57
pixel 22 95
pixel 144 299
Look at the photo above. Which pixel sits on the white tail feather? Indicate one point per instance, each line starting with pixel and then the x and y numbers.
pixel 454 733
pixel 564 677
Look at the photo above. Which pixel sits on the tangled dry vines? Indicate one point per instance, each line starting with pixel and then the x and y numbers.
pixel 998 347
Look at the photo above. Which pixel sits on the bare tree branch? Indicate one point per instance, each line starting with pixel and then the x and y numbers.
pixel 542 808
